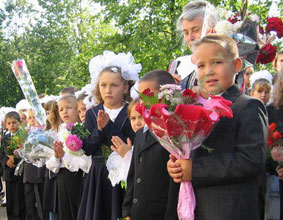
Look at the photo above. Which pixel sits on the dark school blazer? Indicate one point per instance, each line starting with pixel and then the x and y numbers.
pixel 8 173
pixel 151 193
pixel 121 127
pixel 226 181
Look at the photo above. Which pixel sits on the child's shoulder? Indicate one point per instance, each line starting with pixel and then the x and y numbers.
pixel 244 99
pixel 6 137
pixel 245 104
pixel 95 109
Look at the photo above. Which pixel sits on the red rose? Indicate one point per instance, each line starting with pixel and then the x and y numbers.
pixel 235 18
pixel 266 54
pixel 147 92
pixel 276 135
pixel 275 24
pixel 189 93
pixel 272 127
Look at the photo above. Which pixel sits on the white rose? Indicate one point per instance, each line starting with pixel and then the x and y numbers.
pixel 224 27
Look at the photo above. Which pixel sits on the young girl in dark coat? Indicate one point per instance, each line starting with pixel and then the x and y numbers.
pixel 109 118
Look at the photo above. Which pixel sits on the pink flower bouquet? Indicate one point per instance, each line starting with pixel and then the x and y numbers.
pixel 77 134
pixel 181 120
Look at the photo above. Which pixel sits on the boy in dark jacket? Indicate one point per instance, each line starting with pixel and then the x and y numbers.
pixel 14 184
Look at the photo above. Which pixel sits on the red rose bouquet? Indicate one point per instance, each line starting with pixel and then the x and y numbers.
pixel 181 120
pixel 275 24
pixel 275 143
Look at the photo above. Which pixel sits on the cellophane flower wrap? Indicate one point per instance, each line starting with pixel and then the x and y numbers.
pixel 38 147
pixel 275 143
pixel 24 79
pixel 181 120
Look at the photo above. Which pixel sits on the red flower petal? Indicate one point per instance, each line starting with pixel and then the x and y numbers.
pixel 275 24
pixel 189 93
pixel 276 135
pixel 147 92
pixel 266 54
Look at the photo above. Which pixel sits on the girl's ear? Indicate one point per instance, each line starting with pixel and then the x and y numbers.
pixel 238 64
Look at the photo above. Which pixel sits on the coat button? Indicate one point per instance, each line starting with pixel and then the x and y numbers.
pixel 140 159
pixel 135 200
pixel 138 180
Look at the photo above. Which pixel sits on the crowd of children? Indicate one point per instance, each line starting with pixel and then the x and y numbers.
pixel 226 181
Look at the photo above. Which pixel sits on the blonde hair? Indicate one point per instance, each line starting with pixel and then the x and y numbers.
pixel 224 41
pixel 261 84
pixel 278 90
pixel 69 98
pixel 126 97
pixel 53 107
pixel 81 97
pixel 132 104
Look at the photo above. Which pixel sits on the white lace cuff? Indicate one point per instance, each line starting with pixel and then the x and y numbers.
pixel 53 164
pixel 118 167
pixel 75 162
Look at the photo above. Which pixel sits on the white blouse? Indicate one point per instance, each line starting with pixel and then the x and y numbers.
pixel 73 161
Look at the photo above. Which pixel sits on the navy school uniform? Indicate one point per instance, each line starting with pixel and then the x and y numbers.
pixel 99 199
pixel 14 185
pixel 33 178
pixel 151 193
pixel 69 189
pixel 50 192
pixel 63 189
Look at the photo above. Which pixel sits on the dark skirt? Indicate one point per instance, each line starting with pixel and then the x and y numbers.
pixel 100 201
pixel 16 209
pixel 69 185
pixel 50 192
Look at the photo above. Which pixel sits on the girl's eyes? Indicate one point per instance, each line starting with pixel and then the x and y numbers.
pixel 200 66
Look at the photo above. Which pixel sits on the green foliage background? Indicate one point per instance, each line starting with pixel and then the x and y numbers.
pixel 58 42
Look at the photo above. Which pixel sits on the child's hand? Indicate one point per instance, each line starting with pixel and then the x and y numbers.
pixel 10 162
pixel 120 147
pixel 280 172
pixel 179 170
pixel 58 149
pixel 127 218
pixel 186 166
pixel 102 119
